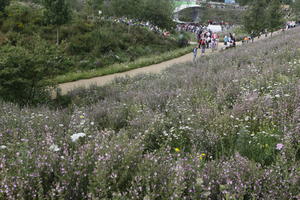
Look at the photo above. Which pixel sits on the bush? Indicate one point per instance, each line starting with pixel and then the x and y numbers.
pixel 81 44
pixel 22 18
pixel 183 39
pixel 3 4
pixel 25 74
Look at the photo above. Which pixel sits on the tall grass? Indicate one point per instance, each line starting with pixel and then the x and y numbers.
pixel 225 128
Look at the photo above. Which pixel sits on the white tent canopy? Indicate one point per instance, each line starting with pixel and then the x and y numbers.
pixel 215 28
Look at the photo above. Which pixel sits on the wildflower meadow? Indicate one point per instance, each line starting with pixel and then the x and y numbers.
pixel 225 127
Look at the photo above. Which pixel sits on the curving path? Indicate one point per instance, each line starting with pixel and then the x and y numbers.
pixel 156 68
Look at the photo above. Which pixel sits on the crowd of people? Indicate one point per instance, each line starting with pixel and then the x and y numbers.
pixel 206 40
pixel 229 41
pixel 291 24
pixel 136 22
pixel 193 28
pixel 196 27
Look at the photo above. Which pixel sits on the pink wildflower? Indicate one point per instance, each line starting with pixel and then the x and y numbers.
pixel 279 146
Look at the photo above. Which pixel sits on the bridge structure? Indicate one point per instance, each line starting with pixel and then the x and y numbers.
pixel 181 5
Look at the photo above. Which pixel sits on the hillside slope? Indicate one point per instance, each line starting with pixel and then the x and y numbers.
pixel 88 43
pixel 227 128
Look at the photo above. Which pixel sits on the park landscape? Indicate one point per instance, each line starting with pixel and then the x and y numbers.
pixel 224 127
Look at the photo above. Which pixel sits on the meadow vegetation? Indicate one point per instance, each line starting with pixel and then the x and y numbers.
pixel 226 127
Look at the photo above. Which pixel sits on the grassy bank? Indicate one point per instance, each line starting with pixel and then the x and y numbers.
pixel 122 67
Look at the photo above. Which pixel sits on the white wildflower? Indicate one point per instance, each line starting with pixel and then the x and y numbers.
pixel 76 136
pixel 3 147
pixel 54 148
pixel 277 96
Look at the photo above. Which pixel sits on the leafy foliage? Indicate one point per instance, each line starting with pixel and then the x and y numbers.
pixel 296 8
pixel 274 16
pixel 158 12
pixel 3 4
pixel 25 73
pixel 255 17
pixel 256 20
pixel 247 2
pixel 57 13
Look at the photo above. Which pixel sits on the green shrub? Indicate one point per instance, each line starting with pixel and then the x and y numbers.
pixel 18 16
pixel 25 74
pixel 258 147
pixel 3 4
pixel 183 39
pixel 81 44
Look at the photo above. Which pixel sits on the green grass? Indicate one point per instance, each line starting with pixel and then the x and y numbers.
pixel 122 67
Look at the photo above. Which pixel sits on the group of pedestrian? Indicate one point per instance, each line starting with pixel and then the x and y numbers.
pixel 190 27
pixel 136 22
pixel 206 40
pixel 229 41
pixel 197 27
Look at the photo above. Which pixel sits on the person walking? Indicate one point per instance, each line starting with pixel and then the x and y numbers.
pixel 208 42
pixel 245 40
pixel 225 41
pixel 203 45
pixel 252 36
pixel 195 50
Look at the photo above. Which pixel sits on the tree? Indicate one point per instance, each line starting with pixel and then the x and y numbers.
pixel 25 74
pixel 255 18
pixel 286 2
pixel 57 13
pixel 247 2
pixel 244 2
pixel 296 8
pixel 158 12
pixel 121 8
pixel 94 5
pixel 3 4
pixel 274 16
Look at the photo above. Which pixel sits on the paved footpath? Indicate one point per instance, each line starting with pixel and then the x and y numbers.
pixel 157 68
